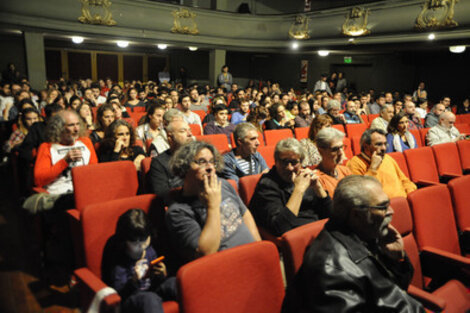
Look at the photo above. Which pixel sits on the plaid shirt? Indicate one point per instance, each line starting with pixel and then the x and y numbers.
pixel 16 138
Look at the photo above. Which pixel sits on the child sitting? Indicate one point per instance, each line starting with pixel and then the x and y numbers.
pixel 128 269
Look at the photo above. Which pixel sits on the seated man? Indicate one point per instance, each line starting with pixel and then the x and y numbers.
pixel 445 131
pixel 207 215
pixel 241 114
pixel 289 196
pixel 160 179
pixel 244 159
pixel 332 110
pixel 414 121
pixel 160 142
pixel 66 147
pixel 358 261
pixel 386 114
pixel 374 162
pixel 221 125
pixel 351 115
pixel 304 118
pixel 432 118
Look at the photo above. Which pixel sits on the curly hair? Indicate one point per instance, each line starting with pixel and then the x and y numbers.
pixel 56 125
pixel 393 124
pixel 317 124
pixel 109 140
pixel 99 115
pixel 181 160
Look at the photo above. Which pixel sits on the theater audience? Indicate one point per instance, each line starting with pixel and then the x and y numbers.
pixel 350 115
pixel 27 118
pixel 332 110
pixel 153 123
pixel 241 114
pixel 189 116
pixel 86 115
pixel 414 121
pixel 372 161
pixel 304 118
pixel 118 144
pixel 133 99
pixel 465 107
pixel 278 118
pixel 207 215
pixel 331 148
pixel 288 195
pixel 358 261
pixel 160 143
pixel 244 159
pixel 399 138
pixel 445 131
pixel 312 156
pixel 386 114
pixel 375 107
pixel 220 125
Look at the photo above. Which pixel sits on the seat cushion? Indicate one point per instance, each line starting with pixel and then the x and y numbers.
pixel 456 295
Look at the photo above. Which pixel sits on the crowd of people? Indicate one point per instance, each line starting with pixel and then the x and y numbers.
pixel 76 123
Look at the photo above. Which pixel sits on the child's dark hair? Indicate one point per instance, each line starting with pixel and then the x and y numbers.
pixel 133 225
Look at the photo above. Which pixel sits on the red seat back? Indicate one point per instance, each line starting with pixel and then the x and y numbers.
pixel 421 165
pixel 460 192
pixel 144 169
pixel 463 128
pixel 219 141
pixel 246 278
pixel 268 154
pixel 464 153
pixel 416 134
pixel 201 113
pixel 400 159
pixel 273 136
pixel 423 132
pixel 293 245
pixel 434 221
pixel 356 144
pixel 447 159
pixel 301 132
pixel 247 185
pixel 355 130
pixel 99 224
pixel 347 149
pixel 403 222
pixel 103 182
pixel 339 127
pixel 195 129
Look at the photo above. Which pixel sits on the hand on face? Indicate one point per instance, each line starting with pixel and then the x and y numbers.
pixel 212 192
pixel 392 244
pixel 376 160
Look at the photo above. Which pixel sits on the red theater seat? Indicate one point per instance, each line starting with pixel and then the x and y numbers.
pixel 464 153
pixel 447 160
pixel 268 154
pixel 400 159
pixel 422 166
pixel 273 136
pixel 219 141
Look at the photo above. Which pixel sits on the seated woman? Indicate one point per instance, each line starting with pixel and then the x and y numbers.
pixel 313 157
pixel 27 117
pixel 207 214
pixel 465 107
pixel 292 109
pixel 119 110
pixel 133 99
pixel 257 117
pixel 153 123
pixel 330 145
pixel 220 125
pixel 127 266
pixel 119 144
pixel 74 102
pixel 289 196
pixel 104 118
pixel 84 111
pixel 399 138
pixel 278 118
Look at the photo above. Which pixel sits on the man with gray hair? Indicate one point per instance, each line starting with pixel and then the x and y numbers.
pixel 288 195
pixel 445 131
pixel 160 142
pixel 432 118
pixel 333 107
pixel 386 114
pixel 244 159
pixel 358 262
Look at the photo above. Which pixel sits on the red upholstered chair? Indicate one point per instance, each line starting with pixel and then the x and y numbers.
pixel 273 136
pixel 422 166
pixel 356 144
pixel 339 127
pixel 301 132
pixel 372 117
pixel 195 129
pixel 464 152
pixel 460 192
pixel 144 170
pixel 260 138
pixel 219 141
pixel 365 119
pixel 98 225
pixel 246 278
pixel 355 130
pixel 447 160
pixel 416 134
pixel 399 157
pixel 452 295
pixel 293 245
pixel 463 128
pixel 347 149
pixel 423 132
pixel 434 222
pixel 247 186
pixel 268 154
pixel 201 113
pixel 96 183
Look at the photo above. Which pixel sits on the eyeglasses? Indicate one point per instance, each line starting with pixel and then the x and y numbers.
pixel 286 162
pixel 338 148
pixel 204 162
pixel 383 207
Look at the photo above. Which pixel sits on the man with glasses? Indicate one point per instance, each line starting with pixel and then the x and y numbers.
pixel 445 131
pixel 288 195
pixel 358 261
pixel 372 161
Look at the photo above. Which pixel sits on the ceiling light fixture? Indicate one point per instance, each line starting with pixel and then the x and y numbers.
pixel 431 36
pixel 323 53
pixel 295 45
pixel 77 39
pixel 122 43
pixel 192 48
pixel 162 46
pixel 457 49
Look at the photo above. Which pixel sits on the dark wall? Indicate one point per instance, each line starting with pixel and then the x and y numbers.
pixel 195 62
pixel 12 51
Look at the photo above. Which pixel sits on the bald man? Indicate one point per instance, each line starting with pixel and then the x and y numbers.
pixel 445 131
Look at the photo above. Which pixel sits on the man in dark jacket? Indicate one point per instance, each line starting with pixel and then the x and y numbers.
pixel 358 262
pixel 244 159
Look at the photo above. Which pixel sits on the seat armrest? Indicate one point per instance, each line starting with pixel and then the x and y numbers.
pixel 265 235
pixel 40 190
pixel 425 183
pixel 440 263
pixel 91 284
pixel 74 214
pixel 429 301
pixel 450 175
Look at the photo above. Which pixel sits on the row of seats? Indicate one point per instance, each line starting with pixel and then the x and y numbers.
pixel 430 232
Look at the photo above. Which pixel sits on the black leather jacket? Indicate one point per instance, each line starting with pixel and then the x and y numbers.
pixel 341 274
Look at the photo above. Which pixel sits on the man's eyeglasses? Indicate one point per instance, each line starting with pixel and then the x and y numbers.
pixel 286 162
pixel 338 148
pixel 204 162
pixel 383 207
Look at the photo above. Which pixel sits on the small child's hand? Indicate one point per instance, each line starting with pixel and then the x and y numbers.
pixel 159 269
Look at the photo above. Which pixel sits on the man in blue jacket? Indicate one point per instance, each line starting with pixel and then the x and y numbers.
pixel 244 159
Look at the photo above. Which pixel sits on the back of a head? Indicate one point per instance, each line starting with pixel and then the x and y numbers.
pixel 133 225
